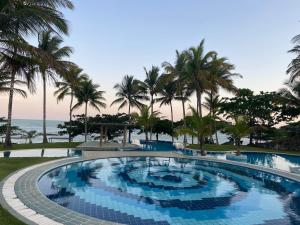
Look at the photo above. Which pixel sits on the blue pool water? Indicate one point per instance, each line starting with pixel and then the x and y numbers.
pixel 276 161
pixel 161 191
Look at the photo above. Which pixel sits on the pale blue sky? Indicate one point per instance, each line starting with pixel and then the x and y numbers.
pixel 112 38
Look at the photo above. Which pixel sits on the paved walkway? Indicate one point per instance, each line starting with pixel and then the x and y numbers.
pixel 21 197
pixel 95 146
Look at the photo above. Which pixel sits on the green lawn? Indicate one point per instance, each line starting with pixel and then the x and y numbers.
pixel 8 166
pixel 41 145
pixel 222 148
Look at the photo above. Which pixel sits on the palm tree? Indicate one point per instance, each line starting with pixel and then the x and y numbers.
pixel 197 126
pixel 50 44
pixel 5 82
pixel 291 95
pixel 238 130
pixel 29 135
pixel 72 79
pixel 130 93
pixel 197 70
pixel 212 103
pixel 146 119
pixel 178 73
pixel 294 67
pixel 88 94
pixel 21 66
pixel 18 19
pixel 167 95
pixel 151 86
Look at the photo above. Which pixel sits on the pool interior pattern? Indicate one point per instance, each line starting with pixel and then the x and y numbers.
pixel 161 191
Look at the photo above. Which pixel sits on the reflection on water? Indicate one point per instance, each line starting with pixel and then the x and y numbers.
pixel 54 152
pixel 277 161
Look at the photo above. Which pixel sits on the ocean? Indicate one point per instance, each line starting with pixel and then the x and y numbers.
pixel 52 130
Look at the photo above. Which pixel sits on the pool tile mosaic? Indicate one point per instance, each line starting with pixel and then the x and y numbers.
pixel 163 191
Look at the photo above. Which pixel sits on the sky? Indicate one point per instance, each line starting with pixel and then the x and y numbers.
pixel 111 38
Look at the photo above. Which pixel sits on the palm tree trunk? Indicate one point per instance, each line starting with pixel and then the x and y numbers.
pixel 70 117
pixel 44 110
pixel 129 133
pixel 172 120
pixel 184 122
pixel 7 142
pixel 85 123
pixel 151 114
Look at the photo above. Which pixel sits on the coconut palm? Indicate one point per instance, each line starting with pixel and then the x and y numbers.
pixel 71 80
pixel 167 95
pixel 19 19
pixel 291 95
pixel 178 73
pixel 29 135
pixel 5 83
pixel 50 44
pixel 145 119
pixel 151 86
pixel 130 93
pixel 197 70
pixel 212 103
pixel 199 126
pixel 88 94
pixel 20 65
pixel 238 130
pixel 294 66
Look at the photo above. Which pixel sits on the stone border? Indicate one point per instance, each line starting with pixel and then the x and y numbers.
pixel 21 196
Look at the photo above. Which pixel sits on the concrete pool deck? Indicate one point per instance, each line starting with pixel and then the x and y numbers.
pixel 106 146
pixel 21 196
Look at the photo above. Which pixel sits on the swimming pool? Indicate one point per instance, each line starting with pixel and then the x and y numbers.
pixel 161 191
pixel 277 161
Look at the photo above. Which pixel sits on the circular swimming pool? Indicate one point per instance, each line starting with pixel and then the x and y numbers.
pixel 148 190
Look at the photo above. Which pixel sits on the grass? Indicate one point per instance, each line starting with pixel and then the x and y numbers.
pixel 222 148
pixel 7 166
pixel 41 145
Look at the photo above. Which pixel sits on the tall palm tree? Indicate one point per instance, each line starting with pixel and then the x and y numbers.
pixel 130 93
pixel 151 83
pixel 88 94
pixel 178 73
pixel 71 80
pixel 50 45
pixel 19 19
pixel 21 67
pixel 197 69
pixel 167 95
pixel 146 119
pixel 151 86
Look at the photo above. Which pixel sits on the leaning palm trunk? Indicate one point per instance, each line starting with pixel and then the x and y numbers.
pixel 44 110
pixel 70 116
pixel 85 123
pixel 9 113
pixel 172 120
